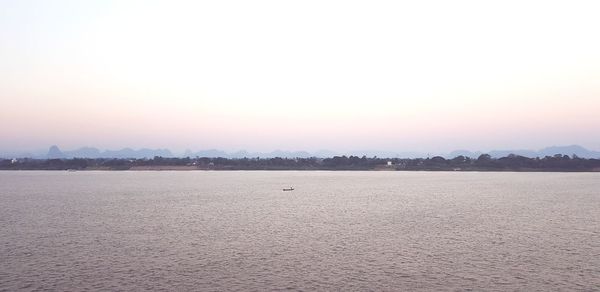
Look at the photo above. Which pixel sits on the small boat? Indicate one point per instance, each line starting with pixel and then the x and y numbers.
pixel 288 190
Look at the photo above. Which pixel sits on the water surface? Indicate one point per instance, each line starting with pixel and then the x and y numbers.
pixel 237 230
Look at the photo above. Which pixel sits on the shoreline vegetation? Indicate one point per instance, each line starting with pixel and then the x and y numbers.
pixel 556 163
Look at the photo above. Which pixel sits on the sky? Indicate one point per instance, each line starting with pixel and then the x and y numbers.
pixel 299 75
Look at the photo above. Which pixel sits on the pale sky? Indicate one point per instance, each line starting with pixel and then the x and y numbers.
pixel 299 75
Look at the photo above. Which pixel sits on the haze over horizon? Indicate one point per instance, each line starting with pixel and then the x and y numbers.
pixel 54 152
pixel 431 76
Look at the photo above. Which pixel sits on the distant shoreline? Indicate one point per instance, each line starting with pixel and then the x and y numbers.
pixel 299 170
pixel 484 163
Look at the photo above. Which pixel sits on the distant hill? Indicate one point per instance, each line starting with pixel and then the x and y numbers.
pixel 54 152
pixel 520 152
pixel 569 150
pixel 549 151
pixel 91 152
pixel 465 153
pixel 214 153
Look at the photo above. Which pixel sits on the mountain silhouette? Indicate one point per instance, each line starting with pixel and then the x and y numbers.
pixel 54 152
pixel 91 152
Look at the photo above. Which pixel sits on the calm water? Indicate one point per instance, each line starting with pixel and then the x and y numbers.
pixel 210 231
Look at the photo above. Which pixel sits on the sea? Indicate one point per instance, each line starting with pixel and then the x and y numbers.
pixel 336 231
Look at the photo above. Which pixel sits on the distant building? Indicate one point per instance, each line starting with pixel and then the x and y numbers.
pixel 389 163
pixel 13 161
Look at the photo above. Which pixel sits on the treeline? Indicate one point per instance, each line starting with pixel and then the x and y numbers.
pixel 437 163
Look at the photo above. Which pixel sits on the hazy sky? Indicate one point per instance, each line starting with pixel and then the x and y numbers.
pixel 299 75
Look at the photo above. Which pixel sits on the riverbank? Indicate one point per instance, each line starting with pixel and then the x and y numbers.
pixel 557 163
